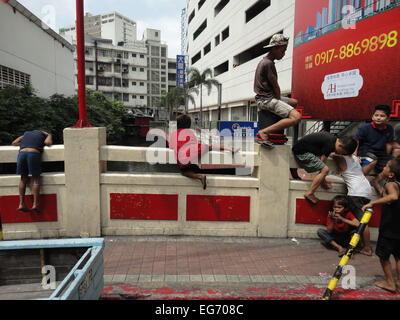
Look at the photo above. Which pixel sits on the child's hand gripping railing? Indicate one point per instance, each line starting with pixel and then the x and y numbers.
pixel 350 249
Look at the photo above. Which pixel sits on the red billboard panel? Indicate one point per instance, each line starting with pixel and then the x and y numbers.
pixel 346 58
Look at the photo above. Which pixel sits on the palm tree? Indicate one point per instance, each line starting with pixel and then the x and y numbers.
pixel 176 97
pixel 197 78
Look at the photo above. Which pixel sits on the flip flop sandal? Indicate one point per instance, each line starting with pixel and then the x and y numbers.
pixel 264 143
pixel 24 210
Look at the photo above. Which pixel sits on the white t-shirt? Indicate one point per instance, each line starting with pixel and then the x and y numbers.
pixel 356 182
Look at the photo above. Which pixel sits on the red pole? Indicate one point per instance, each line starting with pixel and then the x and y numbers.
pixel 80 37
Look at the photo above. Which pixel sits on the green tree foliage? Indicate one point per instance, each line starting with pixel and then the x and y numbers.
pixel 21 110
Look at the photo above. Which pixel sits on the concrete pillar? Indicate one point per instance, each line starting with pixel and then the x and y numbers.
pixel 274 191
pixel 82 180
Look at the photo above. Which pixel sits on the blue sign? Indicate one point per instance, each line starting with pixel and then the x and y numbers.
pixel 244 129
pixel 180 71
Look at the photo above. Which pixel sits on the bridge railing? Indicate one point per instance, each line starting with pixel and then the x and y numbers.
pixel 86 200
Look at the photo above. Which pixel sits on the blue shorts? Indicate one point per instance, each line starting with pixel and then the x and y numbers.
pixel 29 163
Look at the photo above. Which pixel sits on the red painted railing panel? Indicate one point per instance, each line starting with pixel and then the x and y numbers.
pixel 9 213
pixel 143 206
pixel 217 208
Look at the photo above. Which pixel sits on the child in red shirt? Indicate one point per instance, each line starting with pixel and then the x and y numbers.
pixel 339 225
pixel 188 150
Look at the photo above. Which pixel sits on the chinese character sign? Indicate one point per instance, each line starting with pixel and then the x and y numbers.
pixel 346 57
pixel 180 71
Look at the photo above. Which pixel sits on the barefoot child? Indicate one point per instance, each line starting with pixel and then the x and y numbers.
pixel 312 152
pixel 29 163
pixel 359 191
pixel 188 151
pixel 389 229
pixel 338 225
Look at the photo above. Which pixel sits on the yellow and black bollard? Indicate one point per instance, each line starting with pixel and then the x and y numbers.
pixel 350 249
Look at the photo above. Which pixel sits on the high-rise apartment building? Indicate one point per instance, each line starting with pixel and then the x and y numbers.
pixel 113 26
pixel 135 72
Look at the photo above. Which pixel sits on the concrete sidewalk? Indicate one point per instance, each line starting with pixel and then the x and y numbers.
pixel 183 267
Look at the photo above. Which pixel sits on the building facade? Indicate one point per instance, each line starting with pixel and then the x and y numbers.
pixel 32 53
pixel 135 72
pixel 228 36
pixel 113 26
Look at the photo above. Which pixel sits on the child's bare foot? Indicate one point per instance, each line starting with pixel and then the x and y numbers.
pixel 366 251
pixel 311 198
pixel 204 182
pixel 386 286
pixel 326 185
pixel 398 286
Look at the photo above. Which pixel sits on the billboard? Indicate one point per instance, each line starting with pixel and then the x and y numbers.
pixel 346 58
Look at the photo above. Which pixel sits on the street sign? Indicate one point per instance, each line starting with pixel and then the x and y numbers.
pixel 180 70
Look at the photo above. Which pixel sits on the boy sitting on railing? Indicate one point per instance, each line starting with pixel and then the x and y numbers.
pixel 188 150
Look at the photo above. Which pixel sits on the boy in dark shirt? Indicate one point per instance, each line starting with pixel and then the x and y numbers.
pixel 29 163
pixel 375 140
pixel 268 92
pixel 389 228
pixel 312 152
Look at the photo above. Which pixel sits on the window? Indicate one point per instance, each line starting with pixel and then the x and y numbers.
pixel 126 97
pixel 107 82
pixel 191 16
pixel 133 55
pixel 89 80
pixel 220 6
pixel 134 83
pixel 142 56
pixel 196 58
pixel 207 49
pixel 256 9
pixel 201 2
pixel 163 51
pixel 117 82
pixel 141 69
pixel 222 68
pixel 217 40
pixel 200 29
pixel 155 51
pixel 142 84
pixel 225 34
pixel 133 68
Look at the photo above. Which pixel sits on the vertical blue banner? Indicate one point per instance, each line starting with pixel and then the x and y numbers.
pixel 180 70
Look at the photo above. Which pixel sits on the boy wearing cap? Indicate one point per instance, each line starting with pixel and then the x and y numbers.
pixel 268 93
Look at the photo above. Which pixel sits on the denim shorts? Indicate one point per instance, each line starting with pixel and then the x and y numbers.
pixel 29 163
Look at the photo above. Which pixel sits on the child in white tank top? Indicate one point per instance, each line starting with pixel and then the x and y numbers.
pixel 359 191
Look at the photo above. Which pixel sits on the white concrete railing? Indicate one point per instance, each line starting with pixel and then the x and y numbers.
pixel 85 189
